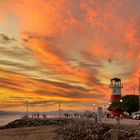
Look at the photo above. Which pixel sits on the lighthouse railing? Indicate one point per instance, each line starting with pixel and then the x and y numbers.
pixel 116 85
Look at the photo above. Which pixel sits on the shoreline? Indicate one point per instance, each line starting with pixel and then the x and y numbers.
pixel 65 128
pixel 29 133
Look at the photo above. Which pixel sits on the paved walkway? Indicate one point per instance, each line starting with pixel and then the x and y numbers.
pixel 123 121
pixel 29 133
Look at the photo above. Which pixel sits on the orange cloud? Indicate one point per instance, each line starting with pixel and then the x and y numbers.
pixel 52 60
pixel 80 42
pixel 16 88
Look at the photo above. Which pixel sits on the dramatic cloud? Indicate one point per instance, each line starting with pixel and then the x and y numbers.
pixel 67 51
pixel 5 39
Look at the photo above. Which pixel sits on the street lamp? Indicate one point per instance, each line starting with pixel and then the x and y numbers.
pixel 94 106
pixel 121 100
pixel 59 110
pixel 109 103
pixel 27 105
pixel 105 108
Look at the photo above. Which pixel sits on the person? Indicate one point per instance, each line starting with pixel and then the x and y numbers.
pixel 105 117
pixel 96 118
pixel 121 116
pixel 117 120
pixel 112 117
pixel 37 115
pixel 44 116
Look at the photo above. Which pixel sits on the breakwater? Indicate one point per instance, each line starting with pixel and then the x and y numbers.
pixel 79 129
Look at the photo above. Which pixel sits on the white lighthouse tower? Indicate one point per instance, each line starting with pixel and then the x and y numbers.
pixel 116 86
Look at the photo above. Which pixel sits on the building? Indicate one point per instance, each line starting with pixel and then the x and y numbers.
pixel 116 86
pixel 116 95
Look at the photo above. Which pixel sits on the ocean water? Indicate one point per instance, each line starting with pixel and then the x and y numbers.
pixel 5 119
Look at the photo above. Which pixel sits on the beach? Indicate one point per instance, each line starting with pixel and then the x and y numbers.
pixel 29 133
pixel 32 129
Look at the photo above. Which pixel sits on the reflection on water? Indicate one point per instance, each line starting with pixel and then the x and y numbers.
pixel 4 119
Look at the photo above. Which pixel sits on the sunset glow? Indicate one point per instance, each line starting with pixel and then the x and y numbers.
pixel 66 51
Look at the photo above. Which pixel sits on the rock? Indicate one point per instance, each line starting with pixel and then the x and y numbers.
pixel 136 138
pixel 74 129
pixel 129 133
pixel 122 133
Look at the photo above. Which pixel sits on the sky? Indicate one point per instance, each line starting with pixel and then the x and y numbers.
pixel 66 51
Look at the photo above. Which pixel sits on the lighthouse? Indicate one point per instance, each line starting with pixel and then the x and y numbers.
pixel 116 87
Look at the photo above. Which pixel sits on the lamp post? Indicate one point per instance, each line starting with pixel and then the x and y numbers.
pixel 59 110
pixel 109 104
pixel 94 107
pixel 27 105
pixel 105 114
pixel 105 107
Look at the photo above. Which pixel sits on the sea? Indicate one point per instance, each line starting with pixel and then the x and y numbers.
pixel 5 119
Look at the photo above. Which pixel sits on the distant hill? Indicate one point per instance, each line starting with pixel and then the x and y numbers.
pixel 48 112
pixel 11 113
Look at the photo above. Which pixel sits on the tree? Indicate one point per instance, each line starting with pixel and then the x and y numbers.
pixel 130 103
pixel 115 106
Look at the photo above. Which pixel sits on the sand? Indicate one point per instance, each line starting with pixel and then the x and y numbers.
pixel 29 133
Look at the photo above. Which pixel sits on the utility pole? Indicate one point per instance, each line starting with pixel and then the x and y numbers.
pixel 133 88
pixel 139 89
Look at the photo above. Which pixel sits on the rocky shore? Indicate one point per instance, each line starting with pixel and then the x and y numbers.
pixel 79 129
pixel 36 122
pixel 88 130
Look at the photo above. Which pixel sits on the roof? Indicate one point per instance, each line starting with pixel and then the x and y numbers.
pixel 116 79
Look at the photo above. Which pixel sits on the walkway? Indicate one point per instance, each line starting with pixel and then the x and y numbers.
pixel 123 121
